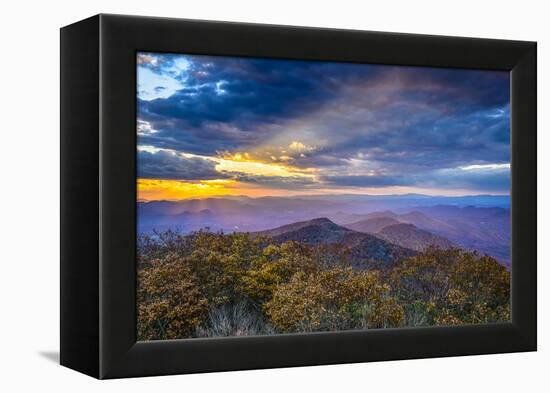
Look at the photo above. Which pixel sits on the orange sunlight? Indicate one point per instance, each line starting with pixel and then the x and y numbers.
pixel 155 189
pixel 159 189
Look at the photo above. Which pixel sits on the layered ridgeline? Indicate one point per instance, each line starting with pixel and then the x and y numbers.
pixel 480 223
pixel 403 234
pixel 364 250
pixel 407 235
pixel 486 230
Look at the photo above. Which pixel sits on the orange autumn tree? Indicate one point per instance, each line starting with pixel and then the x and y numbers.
pixel 453 287
pixel 276 265
pixel 170 300
pixel 333 299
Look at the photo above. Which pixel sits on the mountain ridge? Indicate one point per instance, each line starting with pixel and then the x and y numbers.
pixel 365 250
pixel 409 236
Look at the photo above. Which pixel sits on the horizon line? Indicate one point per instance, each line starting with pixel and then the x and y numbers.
pixel 298 196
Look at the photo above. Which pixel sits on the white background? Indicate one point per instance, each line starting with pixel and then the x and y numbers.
pixel 29 192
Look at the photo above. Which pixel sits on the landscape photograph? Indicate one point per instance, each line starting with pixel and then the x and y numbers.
pixel 283 196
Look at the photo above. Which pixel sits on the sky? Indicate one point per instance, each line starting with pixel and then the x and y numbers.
pixel 215 125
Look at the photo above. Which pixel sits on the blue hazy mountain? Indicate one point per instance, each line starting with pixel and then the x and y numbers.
pixel 480 222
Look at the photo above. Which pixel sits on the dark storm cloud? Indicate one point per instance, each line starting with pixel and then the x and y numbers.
pixel 167 165
pixel 288 182
pixel 230 103
pixel 443 141
pixel 459 90
pixel 483 180
pixel 364 181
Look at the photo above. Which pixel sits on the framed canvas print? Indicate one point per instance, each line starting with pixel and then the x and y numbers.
pixel 239 196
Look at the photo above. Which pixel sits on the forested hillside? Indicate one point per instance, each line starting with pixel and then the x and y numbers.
pixel 213 284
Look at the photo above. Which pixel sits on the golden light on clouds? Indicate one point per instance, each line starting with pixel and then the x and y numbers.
pixel 236 156
pixel 250 164
pixel 244 162
pixel 299 146
pixel 233 168
pixel 258 168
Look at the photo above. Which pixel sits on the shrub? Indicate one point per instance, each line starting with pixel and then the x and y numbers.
pixel 160 244
pixel 170 301
pixel 459 286
pixel 221 263
pixel 334 299
pixel 331 255
pixel 480 290
pixel 424 277
pixel 240 319
pixel 418 313
pixel 276 266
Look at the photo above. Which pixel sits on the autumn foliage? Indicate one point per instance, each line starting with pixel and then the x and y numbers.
pixel 333 299
pixel 214 284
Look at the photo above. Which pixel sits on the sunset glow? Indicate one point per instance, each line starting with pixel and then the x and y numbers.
pixel 153 189
pixel 216 126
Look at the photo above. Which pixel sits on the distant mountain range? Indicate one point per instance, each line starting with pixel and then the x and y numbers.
pixel 365 250
pixel 397 229
pixel 373 225
pixel 474 222
pixel 486 230
pixel 409 236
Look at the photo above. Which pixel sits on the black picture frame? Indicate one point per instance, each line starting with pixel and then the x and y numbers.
pixel 98 195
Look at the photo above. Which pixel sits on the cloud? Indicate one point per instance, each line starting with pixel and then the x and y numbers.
pixel 281 182
pixel 144 128
pixel 160 76
pixel 145 58
pixel 398 125
pixel 239 102
pixel 382 123
pixel 485 167
pixel 152 86
pixel 494 178
pixel 169 165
